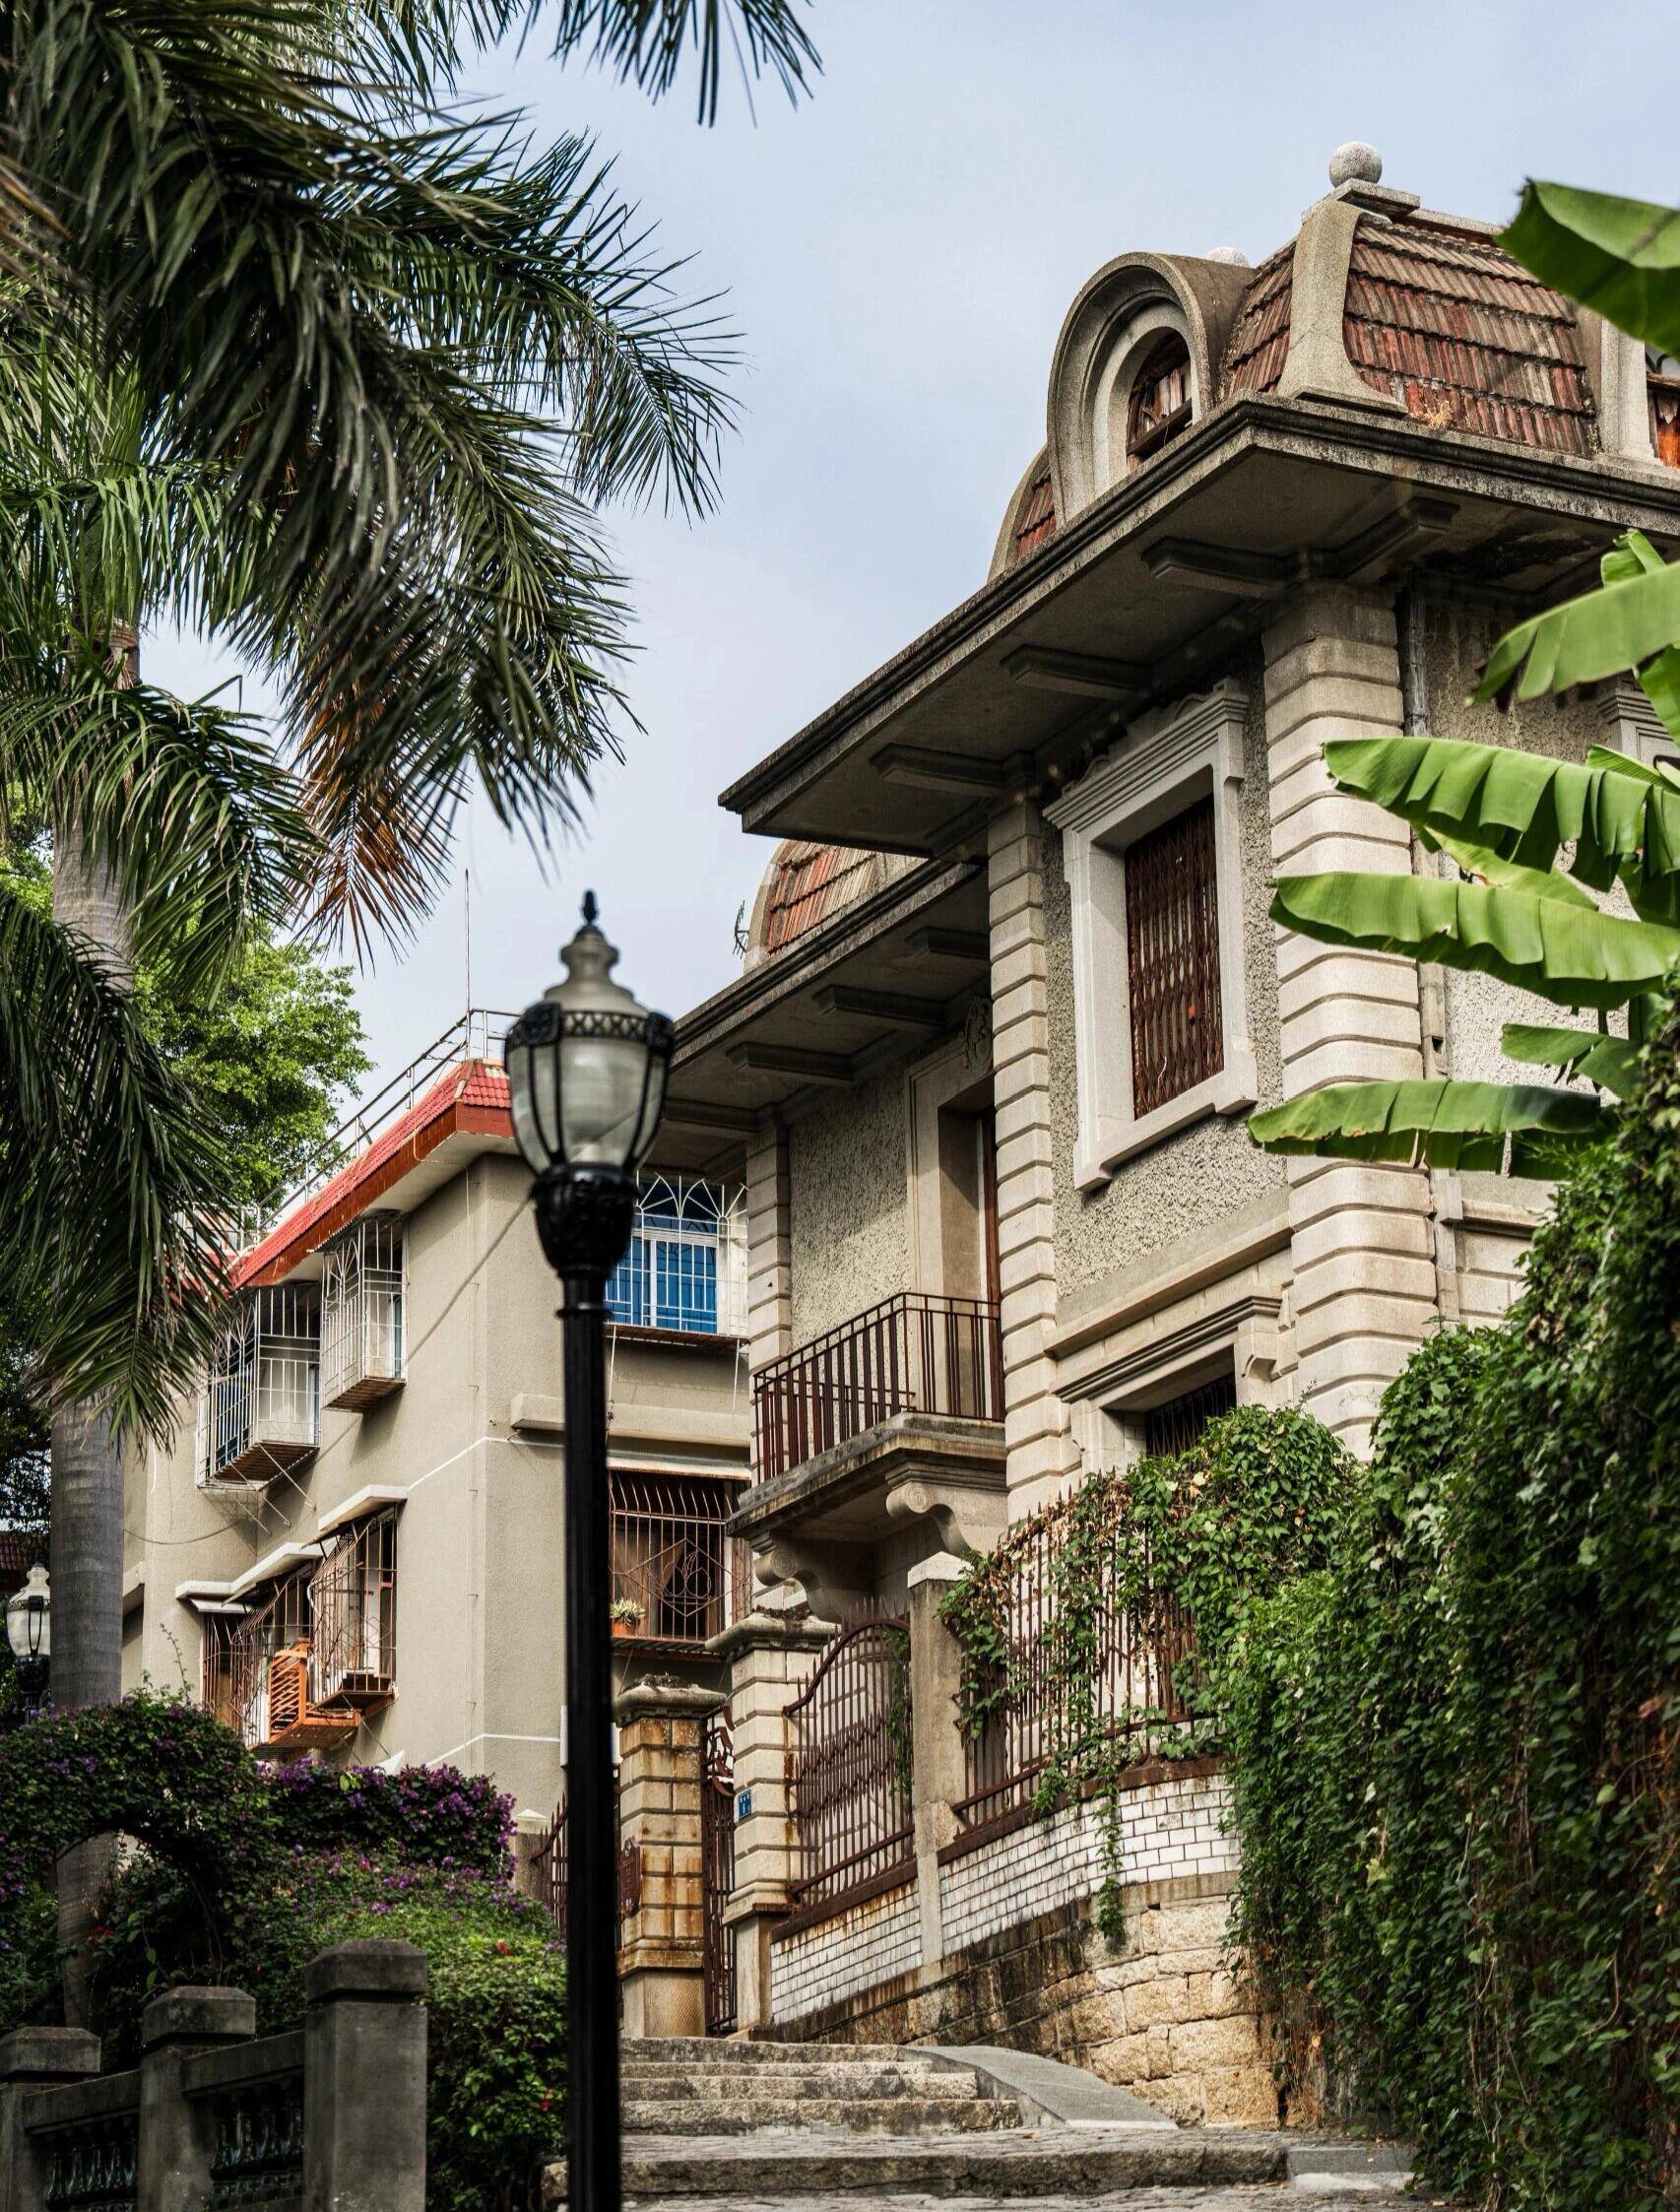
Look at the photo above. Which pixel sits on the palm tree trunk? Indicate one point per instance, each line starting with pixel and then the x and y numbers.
pixel 86 1463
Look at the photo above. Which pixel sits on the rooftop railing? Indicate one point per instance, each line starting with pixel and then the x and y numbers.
pixel 914 1354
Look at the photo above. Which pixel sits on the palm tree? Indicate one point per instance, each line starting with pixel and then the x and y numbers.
pixel 296 352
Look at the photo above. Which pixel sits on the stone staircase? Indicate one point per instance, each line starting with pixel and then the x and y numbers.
pixel 678 2086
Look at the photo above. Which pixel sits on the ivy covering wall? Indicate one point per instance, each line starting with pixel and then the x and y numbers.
pixel 1454 1751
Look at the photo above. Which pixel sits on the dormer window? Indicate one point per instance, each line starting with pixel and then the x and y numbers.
pixel 1158 408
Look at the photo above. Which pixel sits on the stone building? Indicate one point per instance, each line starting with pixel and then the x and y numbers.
pixel 1009 995
pixel 1012 995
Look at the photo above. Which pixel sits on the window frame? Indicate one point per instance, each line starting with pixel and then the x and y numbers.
pixel 1162 764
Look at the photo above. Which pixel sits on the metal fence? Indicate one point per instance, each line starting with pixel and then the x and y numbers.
pixel 1121 1685
pixel 549 1874
pixel 848 1766
pixel 913 1353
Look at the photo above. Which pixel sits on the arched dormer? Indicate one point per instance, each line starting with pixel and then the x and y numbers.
pixel 1134 366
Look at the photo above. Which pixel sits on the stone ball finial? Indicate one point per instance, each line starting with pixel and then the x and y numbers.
pixel 1233 257
pixel 1356 164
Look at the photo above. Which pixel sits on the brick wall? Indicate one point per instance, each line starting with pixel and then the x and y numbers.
pixel 875 1941
pixel 1169 1829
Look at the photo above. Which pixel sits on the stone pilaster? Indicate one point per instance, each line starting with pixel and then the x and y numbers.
pixel 769 1249
pixel 1041 1453
pixel 33 2058
pixel 769 1658
pixel 1364 1289
pixel 660 1961
pixel 937 1760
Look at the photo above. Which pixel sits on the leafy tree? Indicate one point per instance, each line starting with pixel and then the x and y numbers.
pixel 1534 840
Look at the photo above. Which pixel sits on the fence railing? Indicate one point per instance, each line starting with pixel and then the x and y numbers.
pixel 914 1354
pixel 848 1766
pixel 332 2113
pixel 1106 1669
pixel 547 1876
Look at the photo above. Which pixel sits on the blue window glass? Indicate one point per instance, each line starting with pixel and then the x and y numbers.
pixel 627 1285
pixel 685 1278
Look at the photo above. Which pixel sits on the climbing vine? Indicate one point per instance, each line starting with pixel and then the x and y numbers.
pixel 1162 1557
pixel 1456 1753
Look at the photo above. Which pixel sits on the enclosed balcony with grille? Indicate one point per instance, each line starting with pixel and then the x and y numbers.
pixel 259 1412
pixel 362 1313
pixel 677 1576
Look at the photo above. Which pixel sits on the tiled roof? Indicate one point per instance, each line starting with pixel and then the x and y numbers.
pixel 17 1551
pixel 1260 334
pixel 809 883
pixel 1449 325
pixel 1036 521
pixel 471 1097
pixel 1466 337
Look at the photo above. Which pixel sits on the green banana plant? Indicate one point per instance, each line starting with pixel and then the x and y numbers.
pixel 1534 840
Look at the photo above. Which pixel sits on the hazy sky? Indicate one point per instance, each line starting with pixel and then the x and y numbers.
pixel 898 253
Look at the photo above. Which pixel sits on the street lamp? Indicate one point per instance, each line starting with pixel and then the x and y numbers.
pixel 586 1070
pixel 29 1631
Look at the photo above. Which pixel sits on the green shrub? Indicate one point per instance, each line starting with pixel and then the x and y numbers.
pixel 423 1816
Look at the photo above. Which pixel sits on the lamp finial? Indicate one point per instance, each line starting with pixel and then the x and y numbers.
pixel 590 909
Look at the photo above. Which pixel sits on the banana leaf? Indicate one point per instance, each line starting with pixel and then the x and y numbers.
pixel 1570 957
pixel 1603 632
pixel 1613 1062
pixel 1436 1123
pixel 1619 257
pixel 1525 808
pixel 1634 554
pixel 1507 874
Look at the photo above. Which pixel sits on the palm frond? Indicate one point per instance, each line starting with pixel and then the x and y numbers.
pixel 113 1195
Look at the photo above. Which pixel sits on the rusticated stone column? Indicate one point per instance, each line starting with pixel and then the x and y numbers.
pixel 660 1953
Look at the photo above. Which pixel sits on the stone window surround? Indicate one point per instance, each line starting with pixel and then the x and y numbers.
pixel 1163 763
pixel 1112 395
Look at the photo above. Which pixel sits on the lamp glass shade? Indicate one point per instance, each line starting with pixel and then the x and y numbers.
pixel 586 1065
pixel 29 1618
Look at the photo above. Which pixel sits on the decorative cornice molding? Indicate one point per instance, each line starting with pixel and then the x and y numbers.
pixel 1154 750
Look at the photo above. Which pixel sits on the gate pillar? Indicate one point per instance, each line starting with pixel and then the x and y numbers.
pixel 661 1949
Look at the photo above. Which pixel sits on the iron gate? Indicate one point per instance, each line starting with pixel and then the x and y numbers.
pixel 717 1871
pixel 848 1765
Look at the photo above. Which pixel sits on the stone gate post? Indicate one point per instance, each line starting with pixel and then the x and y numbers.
pixel 661 1963
pixel 769 1657
pixel 177 2133
pixel 364 2079
pixel 33 2058
pixel 935 1737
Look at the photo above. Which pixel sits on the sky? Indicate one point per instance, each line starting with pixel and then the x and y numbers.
pixel 897 253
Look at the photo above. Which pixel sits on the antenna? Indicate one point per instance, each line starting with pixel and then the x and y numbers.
pixel 466 931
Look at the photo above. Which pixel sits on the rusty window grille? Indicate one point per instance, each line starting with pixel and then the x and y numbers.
pixel 1158 406
pixel 362 1313
pixel 1172 958
pixel 353 1599
pixel 1177 1425
pixel 671 1555
pixel 216 1668
pixel 914 1354
pixel 848 1766
pixel 1133 1693
pixel 260 1655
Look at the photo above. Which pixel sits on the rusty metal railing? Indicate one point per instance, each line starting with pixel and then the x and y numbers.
pixel 849 1774
pixel 1126 1693
pixel 913 1353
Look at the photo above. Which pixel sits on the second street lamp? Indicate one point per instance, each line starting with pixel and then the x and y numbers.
pixel 29 1631
pixel 585 1071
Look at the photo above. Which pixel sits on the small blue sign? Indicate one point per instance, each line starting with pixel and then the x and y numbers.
pixel 744 1804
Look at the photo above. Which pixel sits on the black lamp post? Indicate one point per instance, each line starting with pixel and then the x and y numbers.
pixel 586 1070
pixel 29 1631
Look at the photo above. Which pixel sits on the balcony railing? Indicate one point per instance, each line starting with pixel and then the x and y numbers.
pixel 915 1353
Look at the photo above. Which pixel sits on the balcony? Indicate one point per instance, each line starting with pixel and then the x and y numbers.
pixel 673 1561
pixel 896 1414
pixel 362 1313
pixel 258 1413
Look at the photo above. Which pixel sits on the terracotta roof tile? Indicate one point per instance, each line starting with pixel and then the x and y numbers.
pixel 17 1551
pixel 811 882
pixel 1036 522
pixel 1449 325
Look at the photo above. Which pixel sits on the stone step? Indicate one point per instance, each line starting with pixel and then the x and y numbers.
pixel 738 2085
pixel 846 2115
pixel 722 2050
pixel 1073 2163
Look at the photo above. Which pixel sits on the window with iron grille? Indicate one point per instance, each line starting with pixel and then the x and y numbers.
pixel 685 1266
pixel 1174 1427
pixel 353 1604
pixel 1172 958
pixel 670 1556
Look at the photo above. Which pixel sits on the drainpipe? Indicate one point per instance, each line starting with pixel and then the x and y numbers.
pixel 1446 1194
